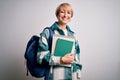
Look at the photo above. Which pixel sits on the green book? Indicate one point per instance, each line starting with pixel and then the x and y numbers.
pixel 63 47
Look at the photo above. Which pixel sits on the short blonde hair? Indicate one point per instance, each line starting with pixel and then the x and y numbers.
pixel 63 5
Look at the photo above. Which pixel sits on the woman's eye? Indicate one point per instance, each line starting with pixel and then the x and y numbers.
pixel 61 11
pixel 69 12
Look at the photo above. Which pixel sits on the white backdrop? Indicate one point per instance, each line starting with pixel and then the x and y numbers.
pixel 96 23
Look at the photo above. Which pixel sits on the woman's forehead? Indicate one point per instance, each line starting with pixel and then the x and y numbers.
pixel 68 8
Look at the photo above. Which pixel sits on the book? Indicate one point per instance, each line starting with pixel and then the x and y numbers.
pixel 62 45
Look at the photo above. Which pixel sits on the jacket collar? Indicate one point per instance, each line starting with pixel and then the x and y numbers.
pixel 55 26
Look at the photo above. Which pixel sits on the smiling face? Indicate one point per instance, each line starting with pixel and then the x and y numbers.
pixel 64 14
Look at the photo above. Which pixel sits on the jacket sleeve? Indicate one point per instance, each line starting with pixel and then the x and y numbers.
pixel 77 67
pixel 43 55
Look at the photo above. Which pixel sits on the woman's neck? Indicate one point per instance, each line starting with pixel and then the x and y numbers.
pixel 62 26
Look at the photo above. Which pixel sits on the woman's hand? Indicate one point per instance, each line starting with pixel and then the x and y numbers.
pixel 78 79
pixel 67 59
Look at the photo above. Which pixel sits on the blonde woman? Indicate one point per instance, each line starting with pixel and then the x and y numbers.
pixel 64 13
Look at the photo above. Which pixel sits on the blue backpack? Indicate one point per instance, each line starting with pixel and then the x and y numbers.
pixel 37 70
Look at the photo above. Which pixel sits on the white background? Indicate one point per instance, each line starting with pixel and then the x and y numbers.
pixel 96 23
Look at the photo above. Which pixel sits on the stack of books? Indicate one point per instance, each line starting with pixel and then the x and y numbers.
pixel 62 45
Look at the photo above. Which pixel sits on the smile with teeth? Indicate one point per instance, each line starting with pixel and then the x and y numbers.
pixel 64 18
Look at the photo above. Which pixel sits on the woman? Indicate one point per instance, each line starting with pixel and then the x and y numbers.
pixel 64 13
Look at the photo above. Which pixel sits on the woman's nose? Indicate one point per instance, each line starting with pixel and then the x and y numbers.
pixel 65 14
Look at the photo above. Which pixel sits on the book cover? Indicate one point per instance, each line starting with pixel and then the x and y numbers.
pixel 63 47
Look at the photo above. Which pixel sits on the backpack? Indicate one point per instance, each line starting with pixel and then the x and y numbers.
pixel 36 70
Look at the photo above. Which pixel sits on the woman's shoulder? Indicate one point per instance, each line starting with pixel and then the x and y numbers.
pixel 45 32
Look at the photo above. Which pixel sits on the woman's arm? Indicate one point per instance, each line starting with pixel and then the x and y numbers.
pixel 78 66
pixel 43 54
